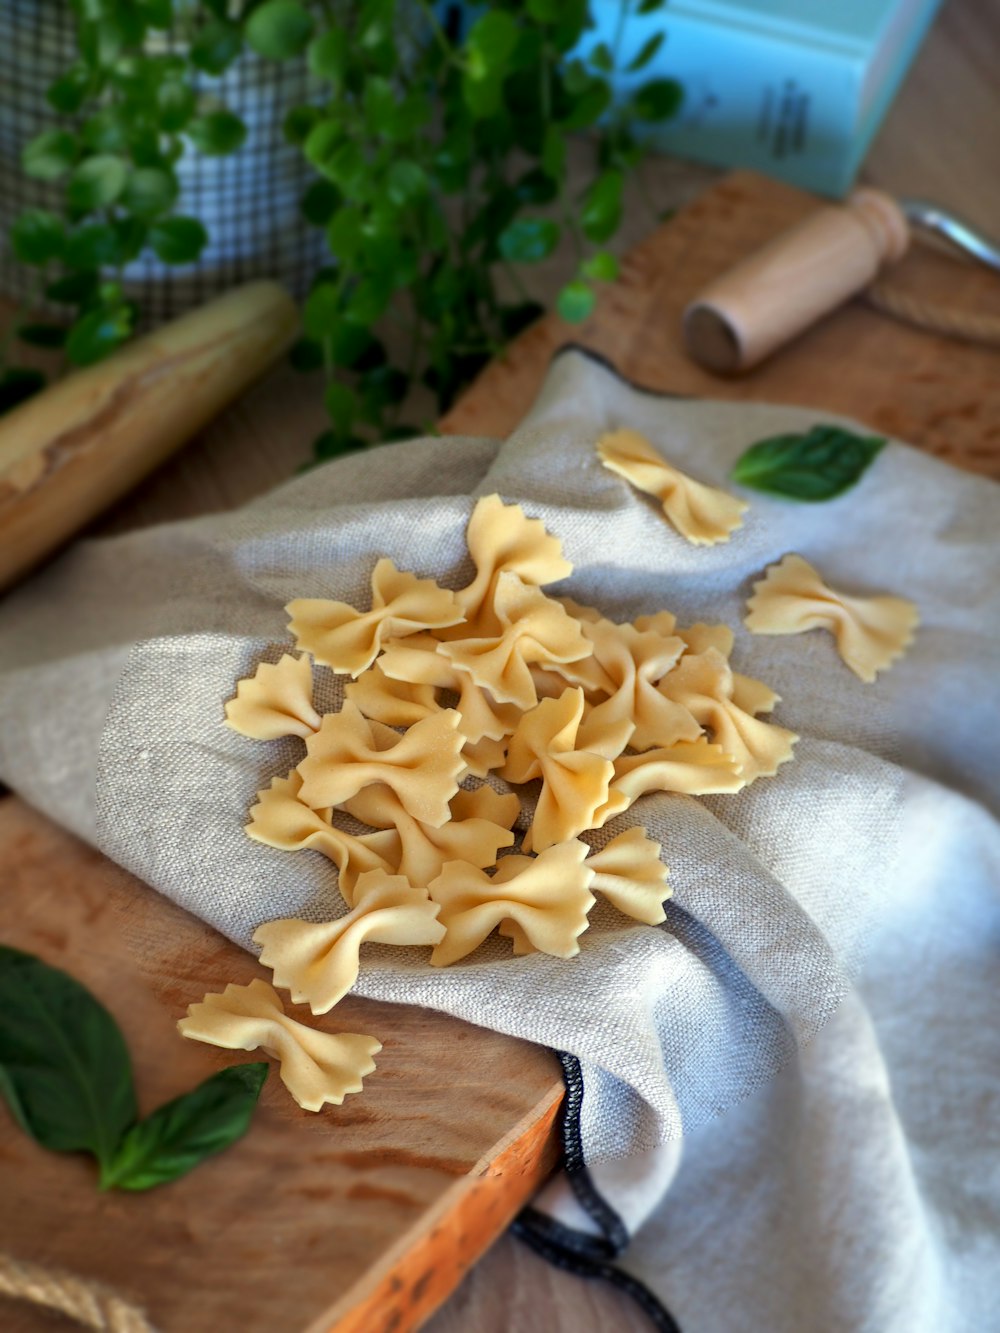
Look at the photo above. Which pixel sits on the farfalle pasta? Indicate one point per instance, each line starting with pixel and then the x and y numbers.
pixel 568 717
pixel 316 1067
pixel 702 514
pixel 870 632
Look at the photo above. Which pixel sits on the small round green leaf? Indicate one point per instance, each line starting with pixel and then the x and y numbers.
pixel 322 310
pixel 175 103
pixel 216 46
pixel 37 236
pixel 49 155
pixel 319 203
pixel 527 240
pixel 298 123
pixel 69 92
pixel 178 240
pixel 658 100
pixel 576 301
pixel 404 182
pixel 344 234
pixel 602 267
pixel 96 334
pixel 217 133
pixel 97 182
pixel 646 52
pixel 341 405
pixel 106 132
pixel 150 192
pixel 329 54
pixel 279 29
pixel 602 207
pixel 92 246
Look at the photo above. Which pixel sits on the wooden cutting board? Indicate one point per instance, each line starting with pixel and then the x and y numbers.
pixel 362 1219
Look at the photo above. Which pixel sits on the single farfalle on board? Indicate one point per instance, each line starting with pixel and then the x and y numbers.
pixel 316 1067
pixel 870 632
pixel 703 515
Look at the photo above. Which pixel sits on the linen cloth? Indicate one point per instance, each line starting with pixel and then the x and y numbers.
pixel 115 665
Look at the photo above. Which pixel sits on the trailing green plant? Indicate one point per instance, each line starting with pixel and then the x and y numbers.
pixel 440 157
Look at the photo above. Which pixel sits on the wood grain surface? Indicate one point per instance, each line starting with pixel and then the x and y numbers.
pixel 364 1218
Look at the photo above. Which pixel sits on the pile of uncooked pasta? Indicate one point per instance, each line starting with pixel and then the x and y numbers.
pixel 491 716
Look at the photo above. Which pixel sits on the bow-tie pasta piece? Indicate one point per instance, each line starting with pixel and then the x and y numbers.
pixel 870 632
pixel 574 783
pixel 660 622
pixel 280 819
pixel 689 768
pixel 512 931
pixel 501 808
pixel 636 713
pixel 316 1067
pixel 703 684
pixel 319 963
pixel 700 637
pixel 547 895
pixel 502 540
pixel 702 514
pixel 348 640
pixel 533 629
pixel 418 660
pixel 423 850
pixel 422 766
pixel 631 875
pixel 275 701
pixel 580 612
pixel 396 703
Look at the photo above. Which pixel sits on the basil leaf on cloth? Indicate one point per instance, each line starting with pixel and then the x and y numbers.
pixel 65 1071
pixel 182 1133
pixel 817 466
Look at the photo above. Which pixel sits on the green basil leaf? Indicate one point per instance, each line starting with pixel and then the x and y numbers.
pixel 96 182
pixel 17 384
pixel 216 46
pixel 602 207
pixel 217 133
pixel 66 1070
pixel 646 52
pixel 98 333
pixel 601 58
pixel 49 155
pixel 37 236
pixel 42 335
pixel 107 131
pixel 817 466
pixel 182 1133
pixel 490 45
pixel 150 191
pixel 175 102
pixel 576 301
pixel 658 100
pixel 602 267
pixel 588 105
pixel 279 29
pixel 527 240
pixel 329 55
pixel 178 240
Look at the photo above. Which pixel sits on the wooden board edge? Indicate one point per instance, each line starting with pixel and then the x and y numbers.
pixel 426 1264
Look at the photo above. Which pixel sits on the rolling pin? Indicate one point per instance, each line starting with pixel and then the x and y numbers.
pixel 774 294
pixel 81 444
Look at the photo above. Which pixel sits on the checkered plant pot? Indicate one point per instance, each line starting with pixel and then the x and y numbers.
pixel 248 201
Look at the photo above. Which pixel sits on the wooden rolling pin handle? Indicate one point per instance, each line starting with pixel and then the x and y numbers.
pixel 801 275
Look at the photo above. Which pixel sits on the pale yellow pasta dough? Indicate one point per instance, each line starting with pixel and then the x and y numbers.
pixel 703 683
pixel 502 540
pixel 870 632
pixel 574 783
pixel 483 802
pixel 319 963
pixel 280 819
pixel 547 895
pixel 422 766
pixel 275 701
pixel 396 703
pixel 419 660
pixel 348 640
pixel 636 713
pixel 423 849
pixel 533 629
pixel 628 872
pixel 702 514
pixel 316 1067
pixel 691 768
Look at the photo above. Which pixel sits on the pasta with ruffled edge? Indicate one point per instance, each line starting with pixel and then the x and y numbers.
pixel 316 1067
pixel 870 632
pixel 702 514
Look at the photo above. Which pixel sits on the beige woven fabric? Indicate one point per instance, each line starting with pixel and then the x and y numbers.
pixel 115 665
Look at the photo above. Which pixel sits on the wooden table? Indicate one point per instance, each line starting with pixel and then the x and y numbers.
pixel 430 1218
